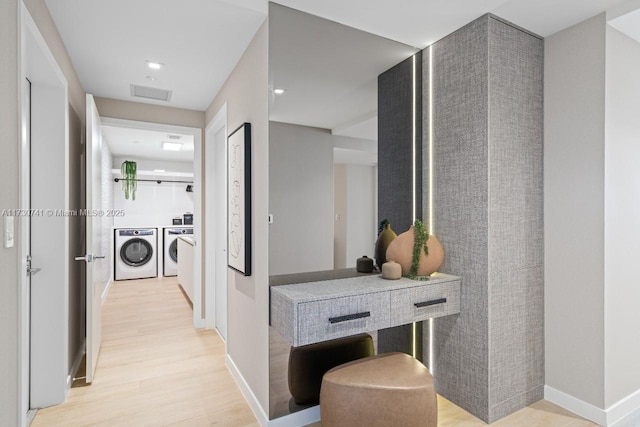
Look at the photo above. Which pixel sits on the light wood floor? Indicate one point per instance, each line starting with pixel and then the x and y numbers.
pixel 156 370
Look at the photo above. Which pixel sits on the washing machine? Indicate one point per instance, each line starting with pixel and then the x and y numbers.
pixel 170 253
pixel 136 255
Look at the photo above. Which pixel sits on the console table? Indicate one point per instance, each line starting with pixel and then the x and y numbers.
pixel 309 312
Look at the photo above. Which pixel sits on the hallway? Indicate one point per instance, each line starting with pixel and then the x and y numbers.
pixel 154 368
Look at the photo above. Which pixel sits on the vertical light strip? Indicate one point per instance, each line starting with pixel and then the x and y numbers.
pixel 430 139
pixel 413 139
pixel 414 344
pixel 413 180
pixel 430 142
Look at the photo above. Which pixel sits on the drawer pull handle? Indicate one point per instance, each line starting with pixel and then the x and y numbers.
pixel 432 302
pixel 350 317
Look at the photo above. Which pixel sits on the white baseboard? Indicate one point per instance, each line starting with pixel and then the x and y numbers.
pixel 31 414
pixel 251 398
pixel 300 418
pixel 297 419
pixel 615 414
pixel 106 290
pixel 624 409
pixel 575 405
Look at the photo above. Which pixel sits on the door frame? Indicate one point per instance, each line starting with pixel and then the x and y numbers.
pixel 199 308
pixel 37 63
pixel 219 122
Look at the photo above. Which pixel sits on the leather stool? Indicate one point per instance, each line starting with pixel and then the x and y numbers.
pixel 308 363
pixel 391 389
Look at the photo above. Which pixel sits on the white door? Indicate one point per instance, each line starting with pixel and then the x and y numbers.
pixel 94 258
pixel 221 231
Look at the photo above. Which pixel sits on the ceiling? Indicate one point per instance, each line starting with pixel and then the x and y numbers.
pixel 200 41
pixel 329 72
pixel 146 144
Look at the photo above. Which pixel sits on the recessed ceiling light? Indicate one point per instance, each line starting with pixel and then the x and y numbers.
pixel 278 91
pixel 155 65
pixel 159 170
pixel 172 146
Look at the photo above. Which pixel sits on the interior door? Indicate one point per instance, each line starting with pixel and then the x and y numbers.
pixel 95 277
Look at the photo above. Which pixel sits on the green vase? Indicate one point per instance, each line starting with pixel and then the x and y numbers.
pixel 384 239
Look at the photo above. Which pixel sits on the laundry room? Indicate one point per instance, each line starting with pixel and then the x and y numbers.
pixel 151 195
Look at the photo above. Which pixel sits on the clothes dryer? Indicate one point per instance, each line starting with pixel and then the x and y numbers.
pixel 135 254
pixel 170 253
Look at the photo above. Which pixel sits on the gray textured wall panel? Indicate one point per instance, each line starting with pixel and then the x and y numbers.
pixel 487 205
pixel 396 163
pixel 395 142
pixel 516 277
pixel 460 208
pixel 516 341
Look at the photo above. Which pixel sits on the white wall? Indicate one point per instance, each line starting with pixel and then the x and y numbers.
pixel 340 216
pixel 356 208
pixel 574 210
pixel 246 95
pixel 592 220
pixel 301 199
pixel 155 204
pixel 362 207
pixel 622 217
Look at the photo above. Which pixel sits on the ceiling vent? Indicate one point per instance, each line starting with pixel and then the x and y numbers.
pixel 174 136
pixel 150 93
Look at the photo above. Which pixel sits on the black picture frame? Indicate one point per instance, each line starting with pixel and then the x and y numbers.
pixel 239 199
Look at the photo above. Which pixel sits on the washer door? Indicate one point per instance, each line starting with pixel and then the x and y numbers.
pixel 136 252
pixel 173 250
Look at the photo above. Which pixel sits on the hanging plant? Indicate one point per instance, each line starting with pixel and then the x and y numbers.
pixel 129 179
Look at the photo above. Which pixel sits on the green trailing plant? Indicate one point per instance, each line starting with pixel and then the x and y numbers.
pixel 129 179
pixel 381 226
pixel 420 237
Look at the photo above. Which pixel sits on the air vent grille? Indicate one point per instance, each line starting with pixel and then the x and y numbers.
pixel 174 136
pixel 150 93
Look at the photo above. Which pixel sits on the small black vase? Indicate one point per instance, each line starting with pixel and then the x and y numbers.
pixel 364 265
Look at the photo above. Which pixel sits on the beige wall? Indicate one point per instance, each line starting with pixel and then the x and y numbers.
pixel 42 18
pixel 246 95
pixel 9 10
pixel 574 92
pixel 151 113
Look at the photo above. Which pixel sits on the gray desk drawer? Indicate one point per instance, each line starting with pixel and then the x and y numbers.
pixel 340 317
pixel 422 302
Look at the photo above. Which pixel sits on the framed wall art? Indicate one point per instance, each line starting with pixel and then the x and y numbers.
pixel 239 199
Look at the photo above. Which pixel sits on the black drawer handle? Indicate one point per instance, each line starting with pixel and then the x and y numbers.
pixel 350 317
pixel 432 302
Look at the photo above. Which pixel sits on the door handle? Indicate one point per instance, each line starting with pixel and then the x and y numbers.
pixel 33 271
pixel 89 257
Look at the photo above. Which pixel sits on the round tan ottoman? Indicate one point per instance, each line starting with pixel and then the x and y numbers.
pixel 391 389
